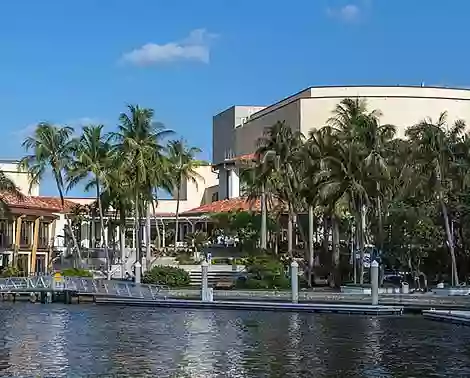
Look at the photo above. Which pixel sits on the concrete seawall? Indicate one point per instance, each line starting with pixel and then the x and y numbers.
pixel 410 301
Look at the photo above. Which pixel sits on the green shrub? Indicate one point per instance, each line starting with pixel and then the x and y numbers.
pixel 10 271
pixel 220 261
pixel 264 272
pixel 76 272
pixel 185 259
pixel 166 275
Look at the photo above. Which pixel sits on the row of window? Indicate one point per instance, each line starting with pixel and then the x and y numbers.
pixel 26 234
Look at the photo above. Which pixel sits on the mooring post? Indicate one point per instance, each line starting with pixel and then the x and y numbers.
pixel 144 264
pixel 138 271
pixel 374 276
pixel 204 281
pixel 294 281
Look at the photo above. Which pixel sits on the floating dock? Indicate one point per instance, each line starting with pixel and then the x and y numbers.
pixel 255 306
pixel 458 317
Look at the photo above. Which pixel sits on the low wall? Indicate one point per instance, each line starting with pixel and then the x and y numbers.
pixel 368 290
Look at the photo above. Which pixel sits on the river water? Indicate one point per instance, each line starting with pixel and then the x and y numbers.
pixel 111 341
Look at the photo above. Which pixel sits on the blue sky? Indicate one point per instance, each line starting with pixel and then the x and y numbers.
pixel 78 62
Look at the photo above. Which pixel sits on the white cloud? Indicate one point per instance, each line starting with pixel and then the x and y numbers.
pixel 195 47
pixel 77 124
pixel 349 12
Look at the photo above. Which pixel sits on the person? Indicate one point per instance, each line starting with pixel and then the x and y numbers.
pixel 127 276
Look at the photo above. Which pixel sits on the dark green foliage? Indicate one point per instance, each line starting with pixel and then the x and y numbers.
pixel 76 272
pixel 166 275
pixel 264 272
pixel 10 271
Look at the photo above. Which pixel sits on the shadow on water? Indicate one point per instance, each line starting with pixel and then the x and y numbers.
pixel 76 341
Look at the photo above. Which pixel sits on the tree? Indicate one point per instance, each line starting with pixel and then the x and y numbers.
pixel 433 152
pixel 136 142
pixel 51 147
pixel 92 157
pixel 284 145
pixel 183 166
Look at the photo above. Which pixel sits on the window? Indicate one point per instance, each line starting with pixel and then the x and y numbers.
pixel 26 233
pixel 43 240
pixel 6 233
pixel 215 197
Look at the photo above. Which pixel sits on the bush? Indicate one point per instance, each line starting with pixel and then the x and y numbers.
pixel 10 271
pixel 220 261
pixel 185 259
pixel 76 272
pixel 166 275
pixel 264 272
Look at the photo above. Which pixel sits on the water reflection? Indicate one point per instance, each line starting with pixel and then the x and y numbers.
pixel 68 341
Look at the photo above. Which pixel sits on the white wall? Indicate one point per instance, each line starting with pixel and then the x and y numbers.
pixel 19 177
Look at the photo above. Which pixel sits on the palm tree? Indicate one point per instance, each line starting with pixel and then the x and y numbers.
pixel 183 166
pixel 352 124
pixel 284 144
pixel 51 147
pixel 137 142
pixel 433 153
pixel 92 156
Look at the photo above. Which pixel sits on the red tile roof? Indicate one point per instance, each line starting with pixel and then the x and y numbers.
pixel 233 204
pixel 244 157
pixel 55 203
pixel 51 204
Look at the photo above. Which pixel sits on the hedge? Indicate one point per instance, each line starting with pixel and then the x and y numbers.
pixel 166 275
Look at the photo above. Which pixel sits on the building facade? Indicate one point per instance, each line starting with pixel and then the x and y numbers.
pixel 237 129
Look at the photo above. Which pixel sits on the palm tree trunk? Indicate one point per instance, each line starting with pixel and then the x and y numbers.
pixel 336 281
pixel 362 243
pixel 177 215
pixel 67 219
pixel 450 241
pixel 137 229
pixel 289 233
pixel 148 229
pixel 159 241
pixel 122 239
pixel 380 220
pixel 310 245
pixel 103 233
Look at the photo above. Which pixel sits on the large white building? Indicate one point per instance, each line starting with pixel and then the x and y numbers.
pixel 237 129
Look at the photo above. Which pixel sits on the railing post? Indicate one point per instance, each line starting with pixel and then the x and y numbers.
pixel 294 280
pixel 138 268
pixel 374 275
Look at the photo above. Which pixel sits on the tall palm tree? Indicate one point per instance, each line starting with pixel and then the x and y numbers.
pixel 433 153
pixel 92 157
pixel 284 144
pixel 183 165
pixel 136 142
pixel 352 122
pixel 51 147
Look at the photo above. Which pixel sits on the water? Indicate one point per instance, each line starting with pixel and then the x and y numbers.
pixel 105 341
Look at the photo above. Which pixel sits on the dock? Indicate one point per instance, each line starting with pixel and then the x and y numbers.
pixel 457 317
pixel 255 306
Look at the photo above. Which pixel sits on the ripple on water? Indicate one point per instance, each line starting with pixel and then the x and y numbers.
pixel 76 341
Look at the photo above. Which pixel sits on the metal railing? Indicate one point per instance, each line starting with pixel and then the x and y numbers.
pixel 82 286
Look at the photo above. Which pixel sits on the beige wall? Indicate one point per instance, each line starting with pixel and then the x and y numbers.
pixel 223 130
pixel 246 136
pixel 401 106
pixel 197 194
pixel 19 177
